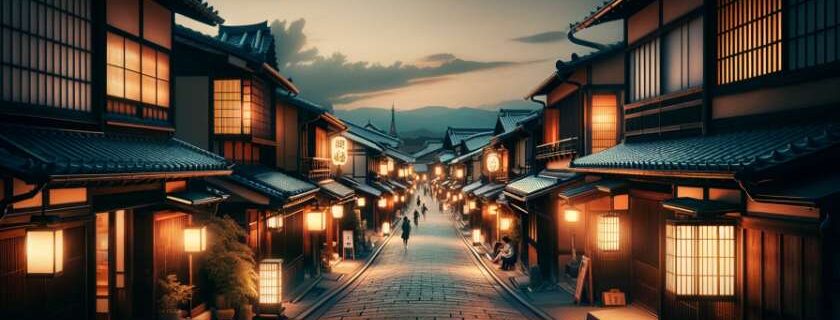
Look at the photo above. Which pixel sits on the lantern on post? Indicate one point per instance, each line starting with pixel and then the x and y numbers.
pixel 271 285
pixel 361 202
pixel 476 236
pixel 195 239
pixel 316 220
pixel 505 224
pixel 44 252
pixel 386 228
pixel 382 203
pixel 275 221
pixel 337 211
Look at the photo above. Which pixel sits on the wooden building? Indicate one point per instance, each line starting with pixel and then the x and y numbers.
pixel 96 191
pixel 720 196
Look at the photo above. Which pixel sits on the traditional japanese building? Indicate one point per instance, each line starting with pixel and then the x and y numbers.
pixel 97 193
pixel 719 198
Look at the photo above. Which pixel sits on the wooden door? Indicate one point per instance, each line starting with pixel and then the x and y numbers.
pixel 647 218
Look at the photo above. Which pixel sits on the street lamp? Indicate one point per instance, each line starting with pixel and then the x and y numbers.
pixel 44 252
pixel 476 236
pixel 315 221
pixel 275 221
pixel 382 203
pixel 572 216
pixel 361 202
pixel 386 228
pixel 271 285
pixel 505 223
pixel 195 239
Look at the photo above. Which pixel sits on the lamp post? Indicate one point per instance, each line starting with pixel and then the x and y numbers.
pixel 270 285
pixel 337 213
pixel 315 223
pixel 195 241
pixel 572 216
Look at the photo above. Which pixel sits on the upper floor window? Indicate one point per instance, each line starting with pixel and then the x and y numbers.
pixel 322 144
pixel 239 107
pixel 156 22
pixel 749 39
pixel 137 72
pixel 683 57
pixel 644 71
pixel 45 54
pixel 813 32
pixel 604 118
pixel 552 125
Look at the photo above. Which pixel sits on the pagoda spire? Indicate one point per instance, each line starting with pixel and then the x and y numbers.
pixel 393 130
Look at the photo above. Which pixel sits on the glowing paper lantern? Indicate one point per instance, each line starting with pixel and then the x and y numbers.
pixel 337 211
pixel 275 222
pixel 382 203
pixel 339 150
pixel 505 223
pixel 401 173
pixel 472 205
pixel 361 202
pixel 571 215
pixel 315 221
pixel 493 162
pixel 459 173
pixel 608 232
pixel 465 209
pixel 195 239
pixel 492 209
pixel 383 169
pixel 402 198
pixel 390 164
pixel 44 252
pixel 438 170
pixel 271 282
pixel 386 228
pixel 476 236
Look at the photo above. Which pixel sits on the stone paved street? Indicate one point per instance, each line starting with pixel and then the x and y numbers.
pixel 435 278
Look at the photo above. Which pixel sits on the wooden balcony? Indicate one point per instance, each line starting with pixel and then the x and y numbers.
pixel 316 168
pixel 561 148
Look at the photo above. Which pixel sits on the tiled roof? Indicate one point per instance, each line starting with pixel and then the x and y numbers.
pixel 195 197
pixel 466 156
pixel 300 102
pixel 724 152
pixel 421 168
pixel 255 39
pixel 383 187
pixel 271 182
pixel 477 141
pixel 576 192
pixel 446 156
pixel 566 68
pixel 336 189
pixel 375 136
pixel 535 185
pixel 488 188
pixel 609 10
pixel 397 184
pixel 472 186
pixel 181 32
pixel 455 135
pixel 53 152
pixel 810 190
pixel 399 155
pixel 428 147
pixel 509 119
pixel 361 187
pixel 198 10
pixel 365 142
pixel 699 207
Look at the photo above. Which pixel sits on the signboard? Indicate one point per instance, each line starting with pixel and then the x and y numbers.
pixel 347 239
pixel 584 273
pixel 614 297
pixel 339 150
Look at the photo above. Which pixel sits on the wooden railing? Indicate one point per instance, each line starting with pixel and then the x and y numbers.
pixel 316 168
pixel 560 148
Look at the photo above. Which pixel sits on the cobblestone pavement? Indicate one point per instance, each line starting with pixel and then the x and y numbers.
pixel 434 278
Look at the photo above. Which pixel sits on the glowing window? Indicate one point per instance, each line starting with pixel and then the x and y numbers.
pixel 749 39
pixel 604 114
pixel 135 74
pixel 699 259
pixel 608 232
pixel 271 274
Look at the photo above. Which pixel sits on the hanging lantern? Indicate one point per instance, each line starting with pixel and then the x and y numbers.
pixel 390 165
pixel 402 198
pixel 493 162
pixel 339 150
pixel 460 196
pixel 396 198
pixel 271 284
pixel 465 209
pixel 459 173
pixel 382 203
pixel 275 221
pixel 700 257
pixel 571 215
pixel 476 236
pixel 438 170
pixel 383 169
pixel 361 202
pixel 401 173
pixel 386 228
pixel 337 211
pixel 423 177
pixel 410 170
pixel 44 252
pixel 492 209
pixel 505 223
pixel 472 205
pixel 608 232
pixel 195 239
pixel 315 221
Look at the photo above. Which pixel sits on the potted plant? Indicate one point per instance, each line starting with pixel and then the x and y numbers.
pixel 174 295
pixel 229 266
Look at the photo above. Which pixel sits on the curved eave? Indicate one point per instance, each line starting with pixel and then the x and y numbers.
pixel 283 81
pixel 722 175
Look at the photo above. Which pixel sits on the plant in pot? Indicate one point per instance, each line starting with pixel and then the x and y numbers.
pixel 229 268
pixel 174 295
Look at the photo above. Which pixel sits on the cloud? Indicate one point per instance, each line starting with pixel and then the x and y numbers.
pixel 333 79
pixel 542 37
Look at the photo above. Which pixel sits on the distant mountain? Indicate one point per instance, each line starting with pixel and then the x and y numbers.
pixel 425 121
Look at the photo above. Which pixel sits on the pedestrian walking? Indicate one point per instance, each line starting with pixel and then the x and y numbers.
pixel 424 209
pixel 416 217
pixel 406 231
pixel 418 201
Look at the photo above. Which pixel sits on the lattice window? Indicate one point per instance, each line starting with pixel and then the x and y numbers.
pixel 227 107
pixel 254 98
pixel 608 232
pixel 813 32
pixel 699 259
pixel 749 39
pixel 604 118
pixel 137 72
pixel 644 71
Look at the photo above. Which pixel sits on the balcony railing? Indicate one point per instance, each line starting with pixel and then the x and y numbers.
pixel 560 148
pixel 316 168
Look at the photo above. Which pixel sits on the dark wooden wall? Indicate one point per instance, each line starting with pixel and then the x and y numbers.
pixel 647 224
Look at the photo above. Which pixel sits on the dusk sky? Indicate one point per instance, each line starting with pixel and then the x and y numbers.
pixel 372 53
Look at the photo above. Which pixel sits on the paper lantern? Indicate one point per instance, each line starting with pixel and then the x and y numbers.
pixel 315 221
pixel 390 163
pixel 383 169
pixel 472 205
pixel 339 150
pixel 402 198
pixel 476 236
pixel 465 209
pixel 386 228
pixel 195 239
pixel 608 232
pixel 438 170
pixel 505 223
pixel 493 162
pixel 492 209
pixel 44 252
pixel 337 211
pixel 571 215
pixel 459 173
pixel 275 222
pixel 700 258
pixel 361 202
pixel 271 282
pixel 382 203
pixel 401 173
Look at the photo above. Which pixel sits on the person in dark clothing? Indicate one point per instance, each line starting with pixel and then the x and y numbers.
pixel 416 217
pixel 418 201
pixel 406 231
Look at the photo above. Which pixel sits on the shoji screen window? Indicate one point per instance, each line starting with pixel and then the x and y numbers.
pixel 813 32
pixel 604 121
pixel 644 71
pixel 683 57
pixel 45 54
pixel 749 39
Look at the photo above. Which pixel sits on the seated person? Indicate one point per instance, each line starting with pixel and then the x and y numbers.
pixel 506 255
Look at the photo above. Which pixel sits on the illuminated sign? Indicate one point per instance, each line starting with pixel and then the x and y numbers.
pixel 339 151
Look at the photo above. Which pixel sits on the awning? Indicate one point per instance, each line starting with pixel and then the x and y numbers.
pixel 810 191
pixel 336 190
pixel 534 186
pixel 70 155
pixel 697 207
pixel 611 186
pixel 362 187
pixel 445 183
pixel 578 192
pixel 466 156
pixel 487 190
pixel 421 168
pixel 472 186
pixel 279 187
pixel 455 186
pixel 397 185
pixel 384 187
pixel 195 197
